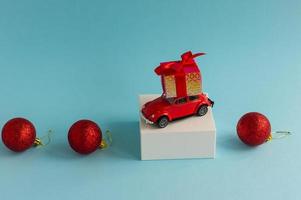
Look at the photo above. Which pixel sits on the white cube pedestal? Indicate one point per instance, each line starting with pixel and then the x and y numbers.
pixel 191 137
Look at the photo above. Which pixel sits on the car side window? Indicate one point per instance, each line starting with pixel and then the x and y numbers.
pixel 181 100
pixel 192 98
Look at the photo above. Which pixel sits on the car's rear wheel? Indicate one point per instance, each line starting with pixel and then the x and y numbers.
pixel 162 122
pixel 202 110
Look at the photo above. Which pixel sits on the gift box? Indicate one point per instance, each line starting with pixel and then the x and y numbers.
pixel 181 78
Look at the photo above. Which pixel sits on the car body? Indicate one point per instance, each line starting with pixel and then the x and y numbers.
pixel 162 110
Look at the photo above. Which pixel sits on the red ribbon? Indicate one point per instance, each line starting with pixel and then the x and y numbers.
pixel 175 68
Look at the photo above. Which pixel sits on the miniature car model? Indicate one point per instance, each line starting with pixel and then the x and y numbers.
pixel 162 110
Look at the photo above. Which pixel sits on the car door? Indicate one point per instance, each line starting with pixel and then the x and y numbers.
pixel 179 108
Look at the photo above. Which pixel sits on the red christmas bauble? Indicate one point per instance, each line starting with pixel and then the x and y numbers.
pixel 18 134
pixel 253 128
pixel 84 136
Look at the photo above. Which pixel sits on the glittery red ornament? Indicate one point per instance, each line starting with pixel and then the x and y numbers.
pixel 18 134
pixel 84 136
pixel 253 129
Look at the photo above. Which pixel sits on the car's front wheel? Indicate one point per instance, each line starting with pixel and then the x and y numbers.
pixel 202 110
pixel 162 122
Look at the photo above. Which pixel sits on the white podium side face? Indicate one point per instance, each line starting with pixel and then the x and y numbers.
pixel 191 137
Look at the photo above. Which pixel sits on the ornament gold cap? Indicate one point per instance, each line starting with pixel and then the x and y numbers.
pixel 37 142
pixel 270 137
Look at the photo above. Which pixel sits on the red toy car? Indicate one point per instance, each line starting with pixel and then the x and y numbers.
pixel 163 110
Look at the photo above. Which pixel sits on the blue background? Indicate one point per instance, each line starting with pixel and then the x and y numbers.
pixel 61 61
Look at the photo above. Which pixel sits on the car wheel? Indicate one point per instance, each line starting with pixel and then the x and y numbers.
pixel 202 110
pixel 162 122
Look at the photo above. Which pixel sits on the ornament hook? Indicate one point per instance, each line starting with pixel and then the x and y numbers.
pixel 39 141
pixel 107 140
pixel 278 135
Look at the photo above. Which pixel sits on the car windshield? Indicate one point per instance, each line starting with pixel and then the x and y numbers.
pixel 170 100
